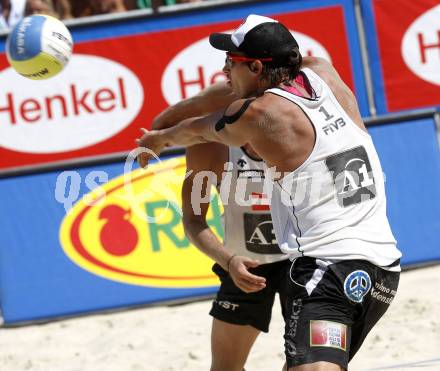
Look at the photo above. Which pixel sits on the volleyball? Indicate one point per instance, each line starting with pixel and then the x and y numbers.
pixel 39 47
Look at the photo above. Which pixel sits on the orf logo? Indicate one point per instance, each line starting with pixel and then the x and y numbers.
pixel 90 101
pixel 421 46
pixel 133 234
pixel 200 65
pixel 356 285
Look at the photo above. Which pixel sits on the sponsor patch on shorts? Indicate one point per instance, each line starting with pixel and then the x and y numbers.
pixel 328 334
pixel 356 285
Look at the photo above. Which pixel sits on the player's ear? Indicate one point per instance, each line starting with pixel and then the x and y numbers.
pixel 256 66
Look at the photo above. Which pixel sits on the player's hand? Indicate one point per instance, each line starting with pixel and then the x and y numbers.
pixel 243 279
pixel 152 142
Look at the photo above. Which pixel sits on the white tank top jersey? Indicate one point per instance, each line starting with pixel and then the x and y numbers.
pixel 248 225
pixel 333 206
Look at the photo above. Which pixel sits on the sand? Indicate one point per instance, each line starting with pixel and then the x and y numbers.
pixel 177 338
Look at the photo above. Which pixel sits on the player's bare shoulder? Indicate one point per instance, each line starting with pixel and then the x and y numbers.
pixel 251 110
pixel 261 116
pixel 241 110
pixel 233 126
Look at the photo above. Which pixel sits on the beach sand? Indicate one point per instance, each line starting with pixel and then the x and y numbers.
pixel 177 337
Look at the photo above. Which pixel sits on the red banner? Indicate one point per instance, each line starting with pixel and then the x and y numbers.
pixel 409 47
pixel 113 87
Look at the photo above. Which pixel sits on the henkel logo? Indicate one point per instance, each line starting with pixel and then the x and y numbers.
pixel 421 46
pixel 200 65
pixel 129 230
pixel 91 100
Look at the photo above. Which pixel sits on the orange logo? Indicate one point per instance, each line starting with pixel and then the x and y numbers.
pixel 130 230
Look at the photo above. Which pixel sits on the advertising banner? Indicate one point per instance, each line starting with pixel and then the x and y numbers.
pixel 123 74
pixel 70 246
pixel 404 46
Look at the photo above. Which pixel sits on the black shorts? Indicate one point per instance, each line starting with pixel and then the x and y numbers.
pixel 331 308
pixel 234 306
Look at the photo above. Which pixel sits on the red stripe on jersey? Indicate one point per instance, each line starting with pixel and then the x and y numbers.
pixel 260 202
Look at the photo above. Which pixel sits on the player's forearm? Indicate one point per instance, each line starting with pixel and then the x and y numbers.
pixel 206 241
pixel 176 113
pixel 211 99
pixel 188 133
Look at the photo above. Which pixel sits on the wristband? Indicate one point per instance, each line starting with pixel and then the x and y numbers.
pixel 229 261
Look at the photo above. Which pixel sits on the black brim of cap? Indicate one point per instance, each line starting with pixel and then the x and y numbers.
pixel 222 41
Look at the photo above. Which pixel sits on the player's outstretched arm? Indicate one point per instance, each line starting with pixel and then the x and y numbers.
pixel 202 174
pixel 187 133
pixel 214 98
pixel 231 128
pixel 205 163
